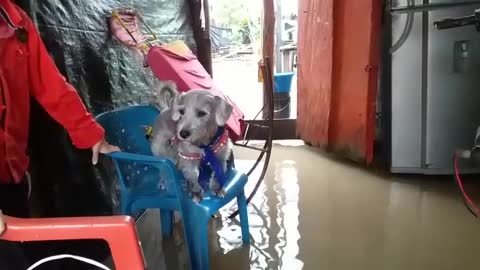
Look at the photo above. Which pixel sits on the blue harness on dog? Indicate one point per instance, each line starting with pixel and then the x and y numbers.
pixel 209 163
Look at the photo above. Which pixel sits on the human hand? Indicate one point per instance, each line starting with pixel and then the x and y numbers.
pixel 2 223
pixel 102 147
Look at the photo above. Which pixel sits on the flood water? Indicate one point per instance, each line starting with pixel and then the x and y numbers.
pixel 317 212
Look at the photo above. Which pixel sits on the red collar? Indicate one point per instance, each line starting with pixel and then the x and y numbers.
pixel 12 11
pixel 220 142
pixel 216 146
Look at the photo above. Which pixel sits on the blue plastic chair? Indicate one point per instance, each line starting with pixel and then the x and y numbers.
pixel 148 182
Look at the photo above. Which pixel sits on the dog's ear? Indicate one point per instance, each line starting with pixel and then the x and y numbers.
pixel 175 103
pixel 167 94
pixel 223 110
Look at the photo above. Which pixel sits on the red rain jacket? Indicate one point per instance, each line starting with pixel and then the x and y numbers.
pixel 26 70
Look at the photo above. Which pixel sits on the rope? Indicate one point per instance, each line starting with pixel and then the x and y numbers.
pixel 68 256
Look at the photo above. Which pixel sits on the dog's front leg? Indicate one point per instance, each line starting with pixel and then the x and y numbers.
pixel 190 170
pixel 223 157
pixel 214 186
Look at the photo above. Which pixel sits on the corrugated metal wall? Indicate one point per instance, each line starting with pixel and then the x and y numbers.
pixel 338 55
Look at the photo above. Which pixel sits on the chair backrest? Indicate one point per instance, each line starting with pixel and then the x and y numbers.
pixel 126 128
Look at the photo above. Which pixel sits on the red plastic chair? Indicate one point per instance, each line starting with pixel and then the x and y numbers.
pixel 118 231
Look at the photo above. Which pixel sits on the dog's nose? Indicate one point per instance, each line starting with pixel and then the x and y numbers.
pixel 184 134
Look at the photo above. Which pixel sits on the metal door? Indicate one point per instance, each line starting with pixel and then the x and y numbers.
pixel 453 89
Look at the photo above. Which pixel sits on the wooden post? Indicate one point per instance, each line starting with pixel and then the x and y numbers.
pixel 268 30
pixel 278 35
pixel 202 36
pixel 268 42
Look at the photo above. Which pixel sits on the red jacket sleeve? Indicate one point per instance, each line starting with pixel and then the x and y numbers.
pixel 57 96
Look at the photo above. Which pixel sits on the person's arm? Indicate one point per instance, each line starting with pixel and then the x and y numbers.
pixel 60 99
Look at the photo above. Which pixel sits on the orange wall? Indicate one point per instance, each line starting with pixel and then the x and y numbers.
pixel 315 55
pixel 337 97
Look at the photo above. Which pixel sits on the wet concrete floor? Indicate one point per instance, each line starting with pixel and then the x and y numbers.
pixel 318 212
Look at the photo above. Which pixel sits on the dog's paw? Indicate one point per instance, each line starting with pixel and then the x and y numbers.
pixel 197 196
pixel 220 192
pixel 216 189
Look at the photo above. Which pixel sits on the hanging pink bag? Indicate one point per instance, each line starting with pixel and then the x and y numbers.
pixel 171 62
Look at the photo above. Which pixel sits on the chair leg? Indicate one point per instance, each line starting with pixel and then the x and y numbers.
pixel 196 236
pixel 242 207
pixel 167 220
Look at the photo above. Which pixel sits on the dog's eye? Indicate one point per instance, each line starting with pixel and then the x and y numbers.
pixel 181 111
pixel 201 113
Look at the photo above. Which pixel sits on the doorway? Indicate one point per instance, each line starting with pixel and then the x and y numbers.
pixel 236 37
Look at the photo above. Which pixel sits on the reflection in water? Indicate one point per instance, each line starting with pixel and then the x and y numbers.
pixel 230 234
pixel 259 224
pixel 274 244
pixel 287 190
pixel 350 218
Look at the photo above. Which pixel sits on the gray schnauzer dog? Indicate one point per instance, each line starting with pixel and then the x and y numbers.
pixel 187 123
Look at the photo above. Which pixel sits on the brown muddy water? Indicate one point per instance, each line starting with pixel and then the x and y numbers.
pixel 317 212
